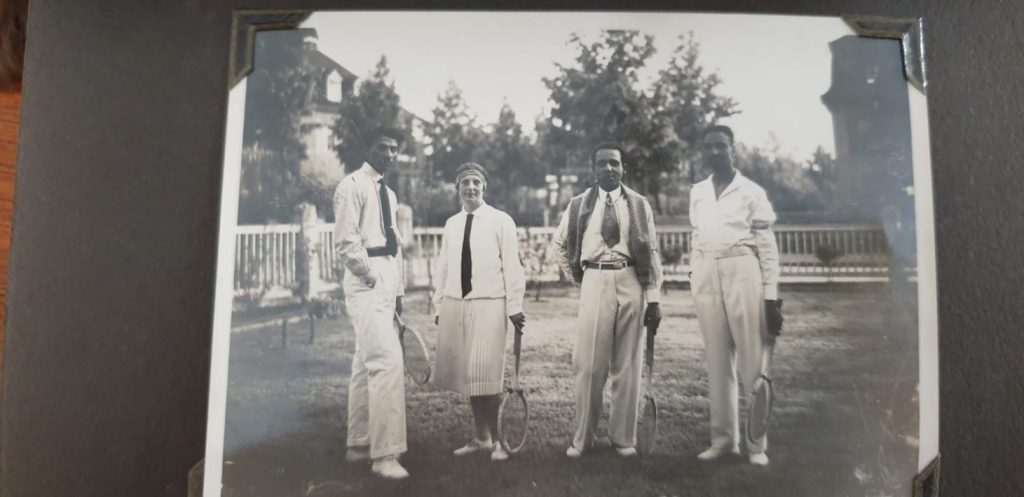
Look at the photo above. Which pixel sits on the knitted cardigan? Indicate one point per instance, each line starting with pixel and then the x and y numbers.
pixel 639 240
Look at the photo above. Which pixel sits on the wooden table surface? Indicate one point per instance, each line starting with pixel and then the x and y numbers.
pixel 10 110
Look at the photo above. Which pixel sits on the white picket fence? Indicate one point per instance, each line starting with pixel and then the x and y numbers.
pixel 265 255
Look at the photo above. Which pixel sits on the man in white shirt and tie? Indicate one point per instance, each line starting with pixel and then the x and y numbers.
pixel 734 281
pixel 607 245
pixel 367 241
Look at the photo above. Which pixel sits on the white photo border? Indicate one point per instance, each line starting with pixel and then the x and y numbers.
pixel 928 327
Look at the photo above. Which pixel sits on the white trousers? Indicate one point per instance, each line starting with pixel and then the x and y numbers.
pixel 608 342
pixel 729 298
pixel 376 390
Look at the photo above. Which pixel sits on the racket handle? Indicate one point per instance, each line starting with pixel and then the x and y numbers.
pixel 649 351
pixel 517 347
pixel 766 357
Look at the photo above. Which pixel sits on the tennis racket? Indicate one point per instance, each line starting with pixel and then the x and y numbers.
pixel 647 423
pixel 414 352
pixel 514 413
pixel 762 395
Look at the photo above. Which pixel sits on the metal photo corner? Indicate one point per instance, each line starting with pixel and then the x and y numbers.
pixel 910 33
pixel 926 483
pixel 244 25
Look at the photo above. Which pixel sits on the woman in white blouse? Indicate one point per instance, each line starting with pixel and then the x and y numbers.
pixel 481 292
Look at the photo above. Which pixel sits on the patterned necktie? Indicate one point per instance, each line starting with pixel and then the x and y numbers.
pixel 467 259
pixel 610 223
pixel 391 243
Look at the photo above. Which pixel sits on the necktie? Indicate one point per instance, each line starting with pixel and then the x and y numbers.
pixel 391 243
pixel 610 223
pixel 467 259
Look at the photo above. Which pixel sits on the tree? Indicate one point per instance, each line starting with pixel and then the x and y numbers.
pixel 599 97
pixel 822 170
pixel 512 162
pixel 374 104
pixel 280 92
pixel 787 181
pixel 454 136
pixel 691 100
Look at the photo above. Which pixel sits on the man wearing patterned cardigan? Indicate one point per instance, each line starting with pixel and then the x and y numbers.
pixel 607 245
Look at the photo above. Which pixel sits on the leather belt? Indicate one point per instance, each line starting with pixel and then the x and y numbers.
pixel 607 266
pixel 379 252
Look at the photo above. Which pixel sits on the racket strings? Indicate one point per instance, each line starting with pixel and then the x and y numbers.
pixel 417 360
pixel 647 425
pixel 513 421
pixel 760 407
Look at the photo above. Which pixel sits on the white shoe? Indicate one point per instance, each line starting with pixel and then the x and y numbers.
pixel 357 454
pixel 573 453
pixel 625 451
pixel 715 453
pixel 389 468
pixel 760 459
pixel 499 454
pixel 474 446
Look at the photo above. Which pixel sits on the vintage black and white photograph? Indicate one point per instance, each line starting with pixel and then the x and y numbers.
pixel 574 253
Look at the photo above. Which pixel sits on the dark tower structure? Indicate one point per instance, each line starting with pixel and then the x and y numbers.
pixel 870 105
pixel 870 110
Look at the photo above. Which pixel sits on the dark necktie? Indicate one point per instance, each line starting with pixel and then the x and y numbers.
pixel 391 243
pixel 467 259
pixel 610 224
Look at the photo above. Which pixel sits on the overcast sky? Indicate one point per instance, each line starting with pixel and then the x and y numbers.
pixel 775 67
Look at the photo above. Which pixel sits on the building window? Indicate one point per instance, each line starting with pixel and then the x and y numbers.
pixel 323 139
pixel 334 87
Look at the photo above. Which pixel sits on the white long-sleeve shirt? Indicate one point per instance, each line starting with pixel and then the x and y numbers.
pixel 494 245
pixel 359 222
pixel 740 216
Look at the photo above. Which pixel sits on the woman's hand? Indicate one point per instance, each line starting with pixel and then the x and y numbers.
pixel 519 321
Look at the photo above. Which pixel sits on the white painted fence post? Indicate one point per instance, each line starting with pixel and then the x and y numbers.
pixel 403 221
pixel 307 262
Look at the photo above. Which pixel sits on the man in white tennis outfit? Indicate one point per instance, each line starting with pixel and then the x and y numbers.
pixel 734 280
pixel 368 244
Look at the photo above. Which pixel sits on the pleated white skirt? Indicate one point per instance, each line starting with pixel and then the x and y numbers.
pixel 470 357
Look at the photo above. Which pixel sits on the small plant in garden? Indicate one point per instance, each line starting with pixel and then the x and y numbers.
pixel 323 307
pixel 535 255
pixel 827 255
pixel 251 288
pixel 672 254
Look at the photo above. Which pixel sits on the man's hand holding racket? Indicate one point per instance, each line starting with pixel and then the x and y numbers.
pixel 652 317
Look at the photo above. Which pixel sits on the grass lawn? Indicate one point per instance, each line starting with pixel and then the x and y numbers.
pixel 845 421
